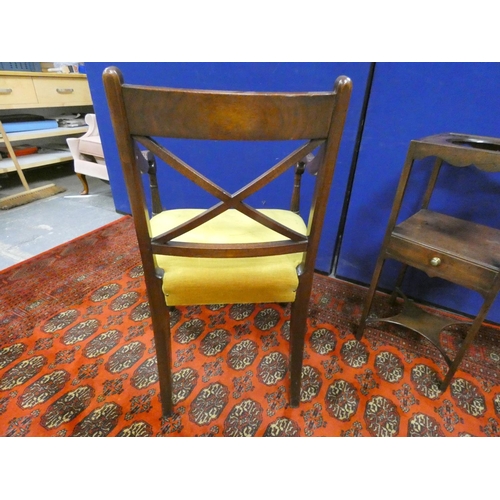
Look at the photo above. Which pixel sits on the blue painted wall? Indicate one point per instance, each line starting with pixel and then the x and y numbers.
pixel 221 161
pixel 411 101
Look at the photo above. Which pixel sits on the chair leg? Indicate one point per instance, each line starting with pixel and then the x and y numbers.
pixel 369 297
pixel 84 182
pixel 298 326
pixel 160 317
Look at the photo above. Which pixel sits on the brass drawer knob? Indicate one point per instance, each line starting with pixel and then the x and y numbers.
pixel 435 261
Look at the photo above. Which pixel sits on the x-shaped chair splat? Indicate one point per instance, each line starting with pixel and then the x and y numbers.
pixel 229 200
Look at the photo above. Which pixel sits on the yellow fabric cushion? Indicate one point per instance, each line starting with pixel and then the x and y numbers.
pixel 191 281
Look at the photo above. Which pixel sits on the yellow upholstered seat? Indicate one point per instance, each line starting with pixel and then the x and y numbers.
pixel 189 281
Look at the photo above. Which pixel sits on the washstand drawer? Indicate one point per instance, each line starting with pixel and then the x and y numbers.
pixel 437 263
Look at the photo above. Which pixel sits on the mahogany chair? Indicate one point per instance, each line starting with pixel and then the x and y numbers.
pixel 229 253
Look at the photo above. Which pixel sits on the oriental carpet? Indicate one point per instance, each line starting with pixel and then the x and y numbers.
pixel 77 358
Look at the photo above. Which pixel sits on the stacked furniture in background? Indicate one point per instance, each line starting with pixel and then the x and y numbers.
pixel 87 154
pixel 25 93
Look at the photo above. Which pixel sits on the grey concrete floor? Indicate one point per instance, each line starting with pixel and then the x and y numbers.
pixel 31 229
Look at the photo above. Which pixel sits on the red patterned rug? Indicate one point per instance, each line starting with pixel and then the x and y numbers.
pixel 77 359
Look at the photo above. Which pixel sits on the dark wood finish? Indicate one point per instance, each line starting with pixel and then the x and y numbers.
pixel 456 250
pixel 297 181
pixel 201 114
pixel 141 114
pixel 419 320
pixel 432 183
pixel 460 150
pixel 228 200
pixel 153 183
pixel 467 252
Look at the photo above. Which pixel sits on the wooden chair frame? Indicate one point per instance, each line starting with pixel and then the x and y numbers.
pixel 138 114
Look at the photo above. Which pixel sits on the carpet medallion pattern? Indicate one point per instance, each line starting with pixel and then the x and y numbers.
pixel 77 358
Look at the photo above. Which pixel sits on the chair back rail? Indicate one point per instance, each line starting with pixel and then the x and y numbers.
pixel 200 114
